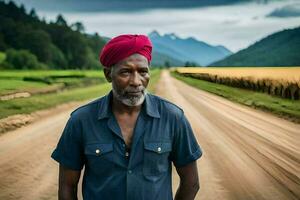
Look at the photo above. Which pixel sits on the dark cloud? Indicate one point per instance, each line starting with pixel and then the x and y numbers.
pixel 119 5
pixel 292 10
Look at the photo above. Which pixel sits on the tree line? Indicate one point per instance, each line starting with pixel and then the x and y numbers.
pixel 31 43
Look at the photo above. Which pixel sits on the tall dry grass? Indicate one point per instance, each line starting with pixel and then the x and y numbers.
pixel 283 81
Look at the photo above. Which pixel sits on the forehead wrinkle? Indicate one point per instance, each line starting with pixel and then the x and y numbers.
pixel 134 61
pixel 131 64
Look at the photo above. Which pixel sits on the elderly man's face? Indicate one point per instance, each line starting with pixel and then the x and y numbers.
pixel 130 78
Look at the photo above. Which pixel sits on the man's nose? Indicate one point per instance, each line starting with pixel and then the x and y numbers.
pixel 135 79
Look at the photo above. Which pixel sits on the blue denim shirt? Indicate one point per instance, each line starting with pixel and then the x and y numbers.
pixel 92 138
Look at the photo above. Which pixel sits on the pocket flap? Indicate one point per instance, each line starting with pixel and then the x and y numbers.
pixel 98 149
pixel 158 147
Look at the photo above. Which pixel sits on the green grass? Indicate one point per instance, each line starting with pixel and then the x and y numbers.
pixel 12 80
pixel 26 80
pixel 39 102
pixel 2 57
pixel 282 107
pixel 155 75
pixel 30 104
pixel 9 86
pixel 20 74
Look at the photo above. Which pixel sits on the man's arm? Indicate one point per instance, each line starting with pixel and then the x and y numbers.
pixel 68 181
pixel 189 182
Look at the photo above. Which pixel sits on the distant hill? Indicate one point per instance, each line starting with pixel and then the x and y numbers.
pixel 279 49
pixel 163 60
pixel 187 50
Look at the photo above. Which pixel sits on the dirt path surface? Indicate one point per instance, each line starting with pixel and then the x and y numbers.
pixel 248 154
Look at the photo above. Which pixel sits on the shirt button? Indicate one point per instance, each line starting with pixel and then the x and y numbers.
pixel 159 149
pixel 126 154
pixel 97 151
pixel 123 145
pixel 129 171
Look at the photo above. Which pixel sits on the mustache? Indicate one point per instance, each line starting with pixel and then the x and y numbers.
pixel 135 89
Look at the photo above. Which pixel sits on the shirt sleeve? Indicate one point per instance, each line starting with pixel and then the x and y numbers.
pixel 185 146
pixel 69 150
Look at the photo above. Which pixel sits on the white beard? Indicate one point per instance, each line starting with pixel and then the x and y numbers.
pixel 130 100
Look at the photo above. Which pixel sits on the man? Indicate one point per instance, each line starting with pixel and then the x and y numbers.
pixel 127 139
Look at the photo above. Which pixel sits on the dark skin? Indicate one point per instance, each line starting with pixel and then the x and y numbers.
pixel 132 71
pixel 189 182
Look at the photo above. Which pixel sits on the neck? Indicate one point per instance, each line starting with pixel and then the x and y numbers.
pixel 119 107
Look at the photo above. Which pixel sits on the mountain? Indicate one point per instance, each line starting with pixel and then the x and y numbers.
pixel 120 5
pixel 187 50
pixel 160 59
pixel 278 49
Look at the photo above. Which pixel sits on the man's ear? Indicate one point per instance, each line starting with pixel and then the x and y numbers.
pixel 107 73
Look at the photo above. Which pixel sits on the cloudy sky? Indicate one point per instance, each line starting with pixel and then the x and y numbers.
pixel 235 26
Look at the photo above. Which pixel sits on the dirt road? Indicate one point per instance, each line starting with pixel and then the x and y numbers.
pixel 248 154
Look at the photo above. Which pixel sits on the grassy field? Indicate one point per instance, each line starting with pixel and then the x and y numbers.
pixel 155 75
pixel 291 74
pixel 30 104
pixel 10 86
pixel 14 81
pixel 277 81
pixel 46 73
pixel 43 101
pixel 282 107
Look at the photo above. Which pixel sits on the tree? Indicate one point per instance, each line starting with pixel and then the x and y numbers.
pixel 167 64
pixel 33 14
pixel 190 64
pixel 22 8
pixel 96 43
pixel 75 49
pixel 38 42
pixel 58 60
pixel 61 21
pixel 3 45
pixel 78 26
pixel 22 59
pixel 55 44
pixel 10 31
pixel 13 10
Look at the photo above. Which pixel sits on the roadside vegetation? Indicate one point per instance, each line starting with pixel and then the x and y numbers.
pixel 286 108
pixel 277 81
pixel 50 88
pixel 38 82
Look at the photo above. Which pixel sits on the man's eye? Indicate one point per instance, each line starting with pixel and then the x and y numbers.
pixel 144 72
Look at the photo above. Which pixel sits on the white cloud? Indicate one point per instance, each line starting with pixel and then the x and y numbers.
pixel 235 26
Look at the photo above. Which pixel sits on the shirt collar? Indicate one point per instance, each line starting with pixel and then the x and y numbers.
pixel 105 111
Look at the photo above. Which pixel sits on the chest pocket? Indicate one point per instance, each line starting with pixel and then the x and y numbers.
pixel 99 158
pixel 156 157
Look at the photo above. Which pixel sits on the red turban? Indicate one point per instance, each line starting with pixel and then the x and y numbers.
pixel 123 46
